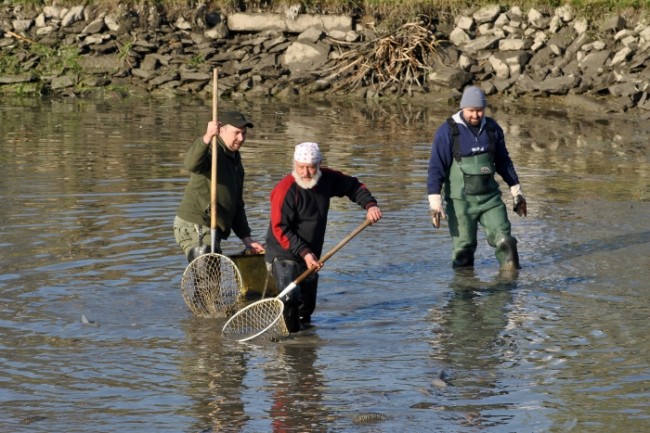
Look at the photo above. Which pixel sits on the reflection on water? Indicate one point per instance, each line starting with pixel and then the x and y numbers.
pixel 215 374
pixel 297 387
pixel 470 325
pixel 400 343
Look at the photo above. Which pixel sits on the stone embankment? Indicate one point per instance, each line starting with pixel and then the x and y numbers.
pixel 600 66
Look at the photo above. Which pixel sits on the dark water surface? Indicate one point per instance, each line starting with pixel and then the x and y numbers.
pixel 401 343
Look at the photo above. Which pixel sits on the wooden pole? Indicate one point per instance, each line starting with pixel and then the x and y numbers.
pixel 213 179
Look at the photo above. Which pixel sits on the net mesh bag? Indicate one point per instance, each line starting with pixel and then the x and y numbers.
pixel 262 319
pixel 211 286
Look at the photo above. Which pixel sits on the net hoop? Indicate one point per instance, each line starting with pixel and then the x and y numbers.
pixel 251 321
pixel 211 286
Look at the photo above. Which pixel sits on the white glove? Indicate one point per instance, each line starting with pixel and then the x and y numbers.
pixel 518 200
pixel 436 209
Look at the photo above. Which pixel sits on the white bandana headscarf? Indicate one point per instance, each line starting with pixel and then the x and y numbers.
pixel 307 153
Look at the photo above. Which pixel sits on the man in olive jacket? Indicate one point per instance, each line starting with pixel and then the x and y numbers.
pixel 192 222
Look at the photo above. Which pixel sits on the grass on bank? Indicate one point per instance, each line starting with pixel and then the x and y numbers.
pixel 387 9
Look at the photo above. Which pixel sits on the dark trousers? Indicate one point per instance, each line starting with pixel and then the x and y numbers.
pixel 302 300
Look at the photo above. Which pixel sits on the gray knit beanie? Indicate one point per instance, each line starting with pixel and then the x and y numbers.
pixel 473 97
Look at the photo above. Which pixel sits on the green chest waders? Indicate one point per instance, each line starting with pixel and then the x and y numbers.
pixel 472 179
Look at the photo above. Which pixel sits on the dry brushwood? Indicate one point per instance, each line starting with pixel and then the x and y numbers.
pixel 398 59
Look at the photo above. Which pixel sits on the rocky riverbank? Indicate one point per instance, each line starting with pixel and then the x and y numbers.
pixel 599 66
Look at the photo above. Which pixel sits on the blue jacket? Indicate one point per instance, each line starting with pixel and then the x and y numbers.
pixel 442 154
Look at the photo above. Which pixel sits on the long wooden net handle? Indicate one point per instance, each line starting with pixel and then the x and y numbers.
pixel 213 178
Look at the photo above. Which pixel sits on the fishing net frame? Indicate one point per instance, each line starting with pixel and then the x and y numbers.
pixel 211 286
pixel 245 325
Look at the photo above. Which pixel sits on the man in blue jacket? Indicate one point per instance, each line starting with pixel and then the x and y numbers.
pixel 468 149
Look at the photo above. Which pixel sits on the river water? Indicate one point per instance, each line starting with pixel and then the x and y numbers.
pixel 96 337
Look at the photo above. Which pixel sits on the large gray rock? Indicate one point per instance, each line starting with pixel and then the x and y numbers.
pixel 594 62
pixel 312 35
pixel 229 55
pixel 194 76
pixel 75 14
pixel 95 26
pixel 612 24
pixel 563 38
pixel 525 84
pixel 257 22
pixel 499 65
pixel 509 63
pixel 100 64
pixel 62 82
pixel 219 31
pixel 542 58
pixel 21 26
pixel 515 44
pixel 305 56
pixel 487 14
pixel 628 89
pixel 621 56
pixel 559 85
pixel 459 37
pixel 481 44
pixel 449 77
pixel 17 79
pixel 537 19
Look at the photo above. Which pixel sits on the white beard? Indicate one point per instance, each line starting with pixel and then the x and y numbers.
pixel 304 183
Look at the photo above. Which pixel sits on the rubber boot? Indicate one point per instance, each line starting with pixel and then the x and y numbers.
pixel 197 251
pixel 464 259
pixel 308 290
pixel 291 317
pixel 506 252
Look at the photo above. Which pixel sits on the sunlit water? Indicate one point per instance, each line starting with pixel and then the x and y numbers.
pixel 401 343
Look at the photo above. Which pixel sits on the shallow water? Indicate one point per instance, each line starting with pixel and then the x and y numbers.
pixel 400 342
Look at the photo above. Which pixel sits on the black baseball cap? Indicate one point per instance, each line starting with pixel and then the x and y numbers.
pixel 236 119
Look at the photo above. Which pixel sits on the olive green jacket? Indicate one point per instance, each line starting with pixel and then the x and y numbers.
pixel 194 206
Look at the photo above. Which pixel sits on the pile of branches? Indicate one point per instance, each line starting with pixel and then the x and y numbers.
pixel 398 62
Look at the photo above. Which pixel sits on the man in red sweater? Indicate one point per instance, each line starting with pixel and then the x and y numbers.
pixel 299 206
